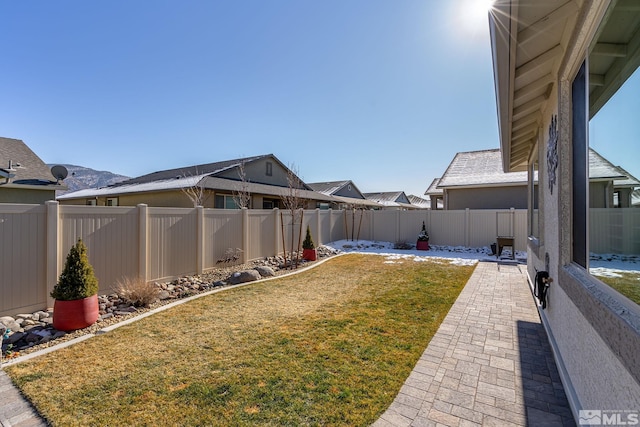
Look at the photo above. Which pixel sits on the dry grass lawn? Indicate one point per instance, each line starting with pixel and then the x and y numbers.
pixel 628 284
pixel 329 346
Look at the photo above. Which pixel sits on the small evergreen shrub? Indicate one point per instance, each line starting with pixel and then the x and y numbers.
pixel 77 280
pixel 308 241
pixel 423 236
pixel 137 292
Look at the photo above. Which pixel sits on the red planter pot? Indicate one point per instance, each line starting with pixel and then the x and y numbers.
pixel 76 314
pixel 309 254
pixel 422 245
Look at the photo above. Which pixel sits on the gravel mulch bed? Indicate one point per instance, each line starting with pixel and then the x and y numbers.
pixel 42 335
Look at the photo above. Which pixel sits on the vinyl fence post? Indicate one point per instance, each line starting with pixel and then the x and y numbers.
pixel 143 240
pixel 467 226
pixel 53 248
pixel 318 230
pixel 245 235
pixel 200 240
pixel 330 225
pixel 277 231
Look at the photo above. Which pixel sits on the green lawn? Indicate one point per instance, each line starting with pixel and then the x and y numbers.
pixel 628 284
pixel 329 346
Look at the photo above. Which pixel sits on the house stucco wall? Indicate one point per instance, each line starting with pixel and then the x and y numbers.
pixel 257 172
pixel 600 194
pixel 175 198
pixel 349 191
pixel 487 198
pixel 595 338
pixel 35 197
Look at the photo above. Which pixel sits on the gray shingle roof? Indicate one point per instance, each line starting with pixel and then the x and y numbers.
pixel 190 181
pixel 484 168
pixel 601 169
pixel 479 168
pixel 328 187
pixel 433 189
pixel 188 171
pixel 390 198
pixel 29 168
pixel 419 201
pixel 629 181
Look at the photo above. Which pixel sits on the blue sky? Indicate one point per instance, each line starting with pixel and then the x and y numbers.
pixel 377 91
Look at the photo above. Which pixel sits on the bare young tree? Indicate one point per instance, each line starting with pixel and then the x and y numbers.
pixel 294 203
pixel 197 193
pixel 241 195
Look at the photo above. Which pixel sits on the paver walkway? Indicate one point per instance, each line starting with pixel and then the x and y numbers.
pixel 15 411
pixel 489 364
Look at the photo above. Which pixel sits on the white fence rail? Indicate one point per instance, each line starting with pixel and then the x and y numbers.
pixel 163 243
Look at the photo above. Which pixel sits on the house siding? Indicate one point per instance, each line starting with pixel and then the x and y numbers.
pixel 256 172
pixel 487 198
pixel 17 195
pixel 353 193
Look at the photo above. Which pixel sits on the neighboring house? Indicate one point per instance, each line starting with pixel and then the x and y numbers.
pixel 419 202
pixel 557 63
pixel 623 190
pixel 391 200
pixel 214 185
pixel 476 180
pixel 346 193
pixel 436 195
pixel 24 177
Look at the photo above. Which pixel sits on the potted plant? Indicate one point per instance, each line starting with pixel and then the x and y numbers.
pixel 308 247
pixel 76 293
pixel 423 239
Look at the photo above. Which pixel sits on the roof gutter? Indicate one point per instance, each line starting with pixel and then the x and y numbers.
pixel 502 24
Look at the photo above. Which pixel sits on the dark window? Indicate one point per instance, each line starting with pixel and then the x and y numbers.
pixel 224 201
pixel 580 176
pixel 269 169
pixel 269 203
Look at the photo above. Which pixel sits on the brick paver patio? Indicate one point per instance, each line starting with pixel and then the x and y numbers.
pixel 489 364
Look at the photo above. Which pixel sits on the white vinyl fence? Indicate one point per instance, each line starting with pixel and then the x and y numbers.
pixel 164 243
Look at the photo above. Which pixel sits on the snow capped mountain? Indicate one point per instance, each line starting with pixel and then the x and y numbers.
pixel 81 177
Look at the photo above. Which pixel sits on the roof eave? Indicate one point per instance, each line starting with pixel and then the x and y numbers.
pixel 501 22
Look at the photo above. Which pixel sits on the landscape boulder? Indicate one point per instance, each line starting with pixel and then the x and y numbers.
pixel 265 271
pixel 244 276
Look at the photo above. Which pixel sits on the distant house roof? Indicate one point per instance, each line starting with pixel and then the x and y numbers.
pixel 190 181
pixel 19 165
pixel 345 191
pixel 27 165
pixel 629 180
pixel 419 202
pixel 207 169
pixel 391 199
pixel 484 168
pixel 479 168
pixel 433 189
pixel 190 176
pixel 600 169
pixel 328 187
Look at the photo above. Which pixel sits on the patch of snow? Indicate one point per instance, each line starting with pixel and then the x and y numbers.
pixel 604 265
pixel 458 255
